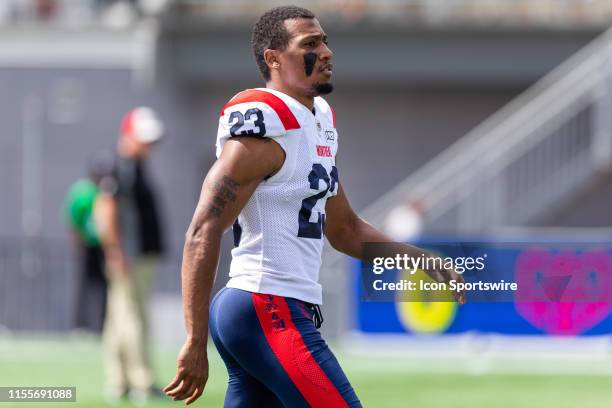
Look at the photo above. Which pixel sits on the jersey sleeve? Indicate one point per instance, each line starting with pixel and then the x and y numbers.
pixel 255 113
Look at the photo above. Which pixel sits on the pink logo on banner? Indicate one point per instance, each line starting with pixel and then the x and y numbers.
pixel 563 293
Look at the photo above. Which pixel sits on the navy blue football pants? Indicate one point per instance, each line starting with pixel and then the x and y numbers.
pixel 275 357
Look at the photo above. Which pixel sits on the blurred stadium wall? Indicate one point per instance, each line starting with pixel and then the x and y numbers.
pixel 411 78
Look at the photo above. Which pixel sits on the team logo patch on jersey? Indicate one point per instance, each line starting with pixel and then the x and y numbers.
pixel 324 151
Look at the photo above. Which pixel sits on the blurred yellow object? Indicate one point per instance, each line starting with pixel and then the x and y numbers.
pixel 426 316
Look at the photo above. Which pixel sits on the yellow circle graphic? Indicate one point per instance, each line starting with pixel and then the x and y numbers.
pixel 424 317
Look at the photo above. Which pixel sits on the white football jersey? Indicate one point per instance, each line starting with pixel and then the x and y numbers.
pixel 278 235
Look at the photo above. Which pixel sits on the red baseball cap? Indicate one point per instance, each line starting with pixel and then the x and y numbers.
pixel 143 125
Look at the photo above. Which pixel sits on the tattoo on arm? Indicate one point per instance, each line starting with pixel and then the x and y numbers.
pixel 225 191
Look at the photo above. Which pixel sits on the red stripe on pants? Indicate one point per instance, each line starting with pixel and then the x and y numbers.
pixel 288 345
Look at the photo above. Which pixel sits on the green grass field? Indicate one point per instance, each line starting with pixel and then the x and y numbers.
pixel 379 382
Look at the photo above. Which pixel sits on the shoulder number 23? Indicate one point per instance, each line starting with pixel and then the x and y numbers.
pixel 237 119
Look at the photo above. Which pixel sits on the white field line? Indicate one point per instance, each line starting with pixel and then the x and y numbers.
pixel 461 355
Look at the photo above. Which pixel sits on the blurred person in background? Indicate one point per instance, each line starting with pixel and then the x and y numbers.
pixel 127 217
pixel 79 204
pixel 406 221
pixel 120 14
pixel 45 9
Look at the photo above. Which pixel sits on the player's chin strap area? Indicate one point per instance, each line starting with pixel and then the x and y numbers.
pixel 317 317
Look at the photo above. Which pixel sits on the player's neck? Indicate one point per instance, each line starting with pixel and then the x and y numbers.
pixel 307 101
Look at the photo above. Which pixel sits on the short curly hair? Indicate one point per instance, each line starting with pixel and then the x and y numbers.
pixel 269 33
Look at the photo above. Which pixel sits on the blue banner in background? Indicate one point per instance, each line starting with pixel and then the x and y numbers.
pixel 517 262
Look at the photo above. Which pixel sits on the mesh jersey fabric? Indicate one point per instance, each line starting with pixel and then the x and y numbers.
pixel 281 239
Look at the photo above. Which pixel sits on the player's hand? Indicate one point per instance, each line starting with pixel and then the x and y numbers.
pixel 191 373
pixel 447 275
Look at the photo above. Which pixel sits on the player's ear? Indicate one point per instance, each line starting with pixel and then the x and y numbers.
pixel 271 58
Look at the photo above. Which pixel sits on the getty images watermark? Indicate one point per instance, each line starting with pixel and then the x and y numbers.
pixel 488 272
pixel 412 264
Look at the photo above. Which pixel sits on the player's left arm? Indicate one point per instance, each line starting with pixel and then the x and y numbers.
pixel 347 232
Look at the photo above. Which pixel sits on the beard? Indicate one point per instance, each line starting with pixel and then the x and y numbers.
pixel 322 88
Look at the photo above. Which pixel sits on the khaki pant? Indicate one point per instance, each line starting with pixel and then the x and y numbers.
pixel 125 336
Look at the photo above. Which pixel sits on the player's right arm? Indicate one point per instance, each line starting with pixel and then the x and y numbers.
pixel 244 163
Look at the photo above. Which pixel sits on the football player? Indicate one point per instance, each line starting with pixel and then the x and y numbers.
pixel 277 182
